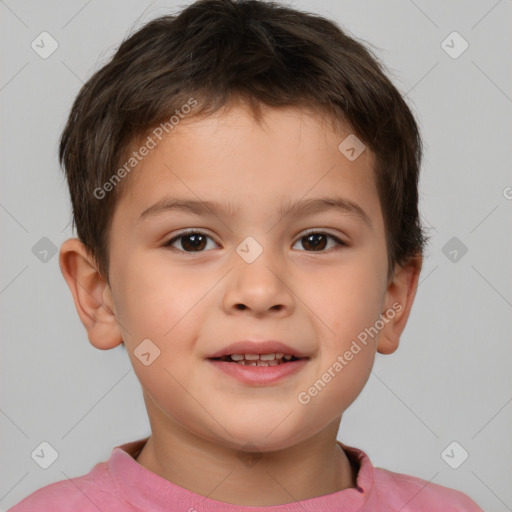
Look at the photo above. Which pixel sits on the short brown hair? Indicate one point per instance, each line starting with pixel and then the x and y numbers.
pixel 263 52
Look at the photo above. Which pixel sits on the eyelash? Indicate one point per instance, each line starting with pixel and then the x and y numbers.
pixel 184 234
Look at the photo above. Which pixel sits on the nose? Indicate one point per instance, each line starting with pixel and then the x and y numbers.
pixel 259 288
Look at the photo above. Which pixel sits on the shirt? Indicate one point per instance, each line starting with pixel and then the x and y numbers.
pixel 122 484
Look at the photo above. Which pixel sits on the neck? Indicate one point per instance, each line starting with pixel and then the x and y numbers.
pixel 311 468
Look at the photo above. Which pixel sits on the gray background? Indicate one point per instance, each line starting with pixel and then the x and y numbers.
pixel 449 381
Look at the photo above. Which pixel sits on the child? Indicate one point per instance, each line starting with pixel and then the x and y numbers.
pixel 244 186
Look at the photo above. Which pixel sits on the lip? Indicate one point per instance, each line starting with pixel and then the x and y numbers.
pixel 259 375
pixel 257 347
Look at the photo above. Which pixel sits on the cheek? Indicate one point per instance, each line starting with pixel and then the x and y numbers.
pixel 349 299
pixel 163 309
pixel 334 389
pixel 352 304
pixel 152 300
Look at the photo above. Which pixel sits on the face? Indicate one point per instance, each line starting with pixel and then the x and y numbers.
pixel 193 281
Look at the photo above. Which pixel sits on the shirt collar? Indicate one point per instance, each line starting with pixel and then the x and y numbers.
pixel 148 491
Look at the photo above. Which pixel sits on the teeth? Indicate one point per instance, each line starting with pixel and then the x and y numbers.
pixel 258 363
pixel 260 359
pixel 267 363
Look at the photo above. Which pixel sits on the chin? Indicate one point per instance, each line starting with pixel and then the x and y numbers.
pixel 261 436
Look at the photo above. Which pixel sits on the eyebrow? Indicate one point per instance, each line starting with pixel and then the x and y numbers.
pixel 288 209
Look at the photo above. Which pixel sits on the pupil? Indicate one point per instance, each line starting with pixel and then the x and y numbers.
pixel 313 241
pixel 197 241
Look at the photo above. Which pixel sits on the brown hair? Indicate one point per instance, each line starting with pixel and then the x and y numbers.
pixel 219 50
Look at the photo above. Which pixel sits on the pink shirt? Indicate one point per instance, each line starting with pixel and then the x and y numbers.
pixel 122 484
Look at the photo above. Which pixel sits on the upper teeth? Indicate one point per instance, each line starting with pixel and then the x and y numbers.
pixel 262 357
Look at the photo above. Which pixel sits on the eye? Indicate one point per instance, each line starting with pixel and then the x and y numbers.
pixel 318 240
pixel 190 241
pixel 197 241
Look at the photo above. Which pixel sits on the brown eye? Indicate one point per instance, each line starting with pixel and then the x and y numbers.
pixel 193 241
pixel 317 241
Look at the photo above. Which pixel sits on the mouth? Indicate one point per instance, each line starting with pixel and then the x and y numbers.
pixel 259 362
pixel 268 369
pixel 271 359
pixel 258 353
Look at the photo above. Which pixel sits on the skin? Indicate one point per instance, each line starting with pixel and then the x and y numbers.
pixel 189 303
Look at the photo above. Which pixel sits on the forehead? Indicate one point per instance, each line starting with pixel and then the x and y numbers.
pixel 231 157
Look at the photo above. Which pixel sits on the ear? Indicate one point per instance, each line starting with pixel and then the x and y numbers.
pixel 91 294
pixel 398 301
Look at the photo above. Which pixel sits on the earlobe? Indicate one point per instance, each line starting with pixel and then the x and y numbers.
pixel 91 295
pixel 400 295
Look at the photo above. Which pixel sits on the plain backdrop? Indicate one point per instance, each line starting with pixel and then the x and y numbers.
pixel 450 380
